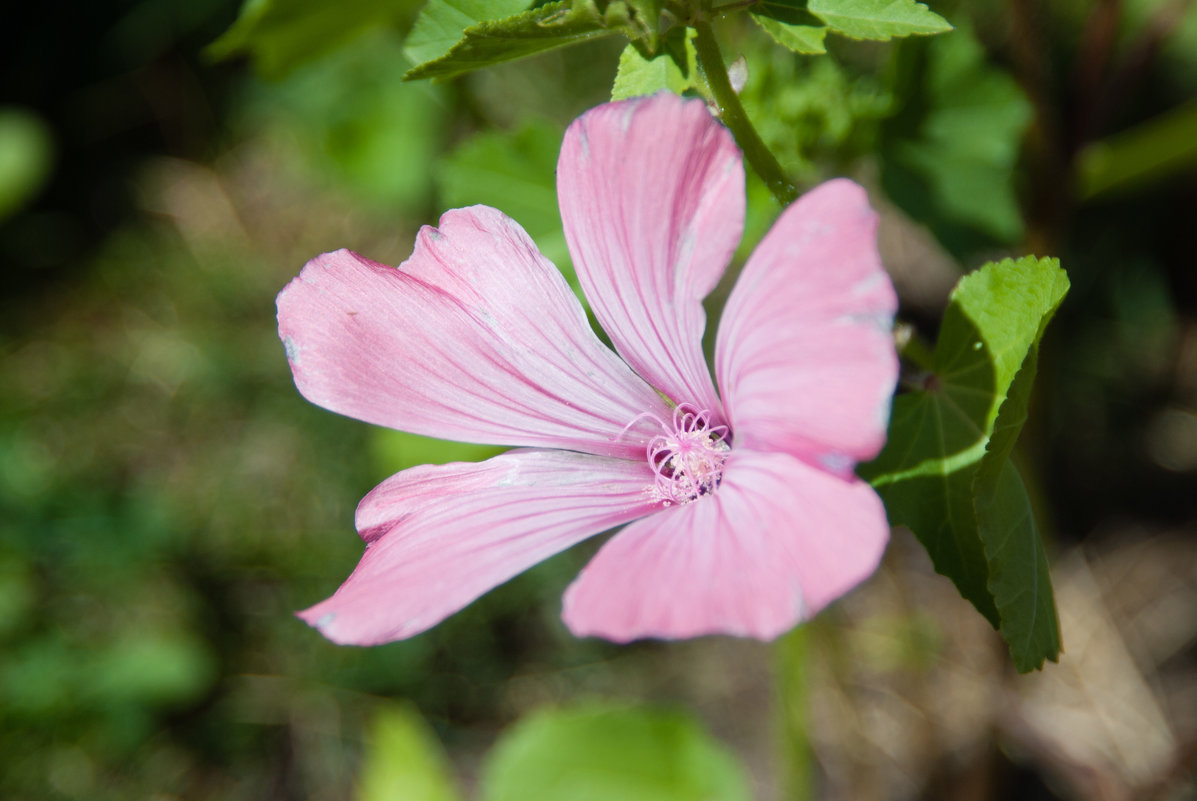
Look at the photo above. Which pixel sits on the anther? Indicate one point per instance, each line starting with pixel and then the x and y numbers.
pixel 687 460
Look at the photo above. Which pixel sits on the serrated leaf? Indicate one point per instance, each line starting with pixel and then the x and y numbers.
pixel 281 35
pixel 1019 580
pixel 640 76
pixel 806 39
pixel 403 760
pixel 544 28
pixel 948 156
pixel 944 471
pixel 599 754
pixel 878 20
pixel 442 22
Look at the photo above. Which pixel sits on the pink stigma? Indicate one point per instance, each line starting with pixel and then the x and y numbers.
pixel 687 461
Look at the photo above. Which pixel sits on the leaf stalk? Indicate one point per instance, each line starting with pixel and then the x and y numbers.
pixel 760 158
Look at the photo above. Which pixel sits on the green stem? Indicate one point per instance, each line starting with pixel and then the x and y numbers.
pixel 790 684
pixel 758 155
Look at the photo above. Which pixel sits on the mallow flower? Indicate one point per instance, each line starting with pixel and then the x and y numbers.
pixel 740 509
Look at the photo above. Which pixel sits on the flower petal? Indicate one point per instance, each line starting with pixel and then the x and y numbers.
pixel 439 536
pixel 652 200
pixel 772 546
pixel 805 354
pixel 475 338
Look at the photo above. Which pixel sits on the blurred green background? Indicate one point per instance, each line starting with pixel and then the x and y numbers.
pixel 167 499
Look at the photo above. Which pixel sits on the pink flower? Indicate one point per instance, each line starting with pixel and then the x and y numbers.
pixel 745 514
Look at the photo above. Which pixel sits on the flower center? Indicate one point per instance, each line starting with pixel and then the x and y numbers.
pixel 687 460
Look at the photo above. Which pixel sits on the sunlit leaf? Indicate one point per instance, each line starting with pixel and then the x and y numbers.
pixel 878 19
pixel 543 28
pixel 403 761
pixel 945 472
pixel 442 22
pixel 599 754
pixel 799 38
pixel 640 76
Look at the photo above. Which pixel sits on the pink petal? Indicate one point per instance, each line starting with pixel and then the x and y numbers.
pixel 772 546
pixel 439 536
pixel 475 338
pixel 652 199
pixel 805 354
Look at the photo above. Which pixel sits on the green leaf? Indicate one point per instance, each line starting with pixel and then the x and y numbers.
pixel 282 35
pixel 1019 577
pixel 945 472
pixel 644 16
pixel 599 754
pixel 799 38
pixel 442 22
pixel 791 12
pixel 1162 148
pixel 640 76
pixel 26 156
pixel 544 28
pixel 879 20
pixel 403 761
pixel 948 155
pixel 1018 570
pixel 347 121
pixel 516 173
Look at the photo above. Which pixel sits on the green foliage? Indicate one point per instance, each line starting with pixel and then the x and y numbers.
pixel 638 75
pixel 404 760
pixel 599 753
pixel 281 35
pixel 536 31
pixel 1161 148
pixel 515 172
pixel 812 112
pixel 878 20
pixel 948 155
pixel 397 450
pixel 442 22
pixel 26 155
pixel 945 471
pixel 802 25
pixel 806 39
pixel 346 119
